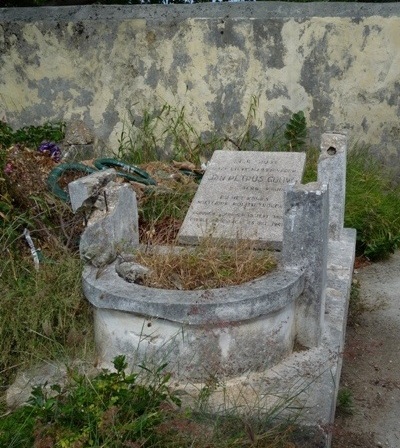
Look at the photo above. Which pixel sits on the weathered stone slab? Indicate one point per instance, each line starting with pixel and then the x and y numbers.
pixel 87 188
pixel 112 227
pixel 241 197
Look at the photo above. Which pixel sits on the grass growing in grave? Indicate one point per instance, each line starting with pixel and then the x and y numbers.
pixel 211 264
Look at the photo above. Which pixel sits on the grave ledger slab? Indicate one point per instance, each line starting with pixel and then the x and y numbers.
pixel 241 197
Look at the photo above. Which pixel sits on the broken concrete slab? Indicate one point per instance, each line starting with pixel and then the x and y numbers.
pixel 86 189
pixel 113 227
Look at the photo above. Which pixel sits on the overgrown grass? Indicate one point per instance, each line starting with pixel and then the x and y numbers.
pixel 372 204
pixel 372 201
pixel 43 314
pixel 211 264
pixel 147 138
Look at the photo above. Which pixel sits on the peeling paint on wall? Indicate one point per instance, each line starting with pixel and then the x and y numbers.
pixel 101 64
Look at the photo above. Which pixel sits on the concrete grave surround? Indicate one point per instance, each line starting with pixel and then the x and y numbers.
pixel 241 197
pixel 104 65
pixel 279 335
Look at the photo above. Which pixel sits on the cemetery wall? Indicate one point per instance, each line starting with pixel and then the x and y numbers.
pixel 338 62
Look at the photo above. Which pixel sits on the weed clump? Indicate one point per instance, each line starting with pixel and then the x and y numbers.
pixel 372 205
pixel 135 409
pixel 212 264
pixel 43 313
pixel 345 404
pixel 113 409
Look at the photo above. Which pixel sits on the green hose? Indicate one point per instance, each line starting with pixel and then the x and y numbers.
pixel 101 164
pixel 141 176
pixel 57 172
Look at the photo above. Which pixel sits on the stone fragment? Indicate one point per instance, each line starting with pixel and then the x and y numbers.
pixel 86 189
pixel 77 133
pixel 132 272
pixel 113 227
pixel 46 373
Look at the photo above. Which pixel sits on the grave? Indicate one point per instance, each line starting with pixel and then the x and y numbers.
pixel 241 197
pixel 280 334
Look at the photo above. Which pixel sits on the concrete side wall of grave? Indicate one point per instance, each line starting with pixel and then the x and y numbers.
pixel 338 62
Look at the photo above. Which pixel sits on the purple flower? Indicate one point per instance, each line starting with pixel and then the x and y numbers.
pixel 8 168
pixel 52 149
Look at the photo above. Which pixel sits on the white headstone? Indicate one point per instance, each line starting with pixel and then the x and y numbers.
pixel 241 197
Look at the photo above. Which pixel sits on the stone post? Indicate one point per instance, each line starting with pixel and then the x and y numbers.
pixel 305 247
pixel 332 171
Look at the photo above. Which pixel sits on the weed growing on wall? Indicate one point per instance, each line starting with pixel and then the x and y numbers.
pixel 296 132
pixel 144 140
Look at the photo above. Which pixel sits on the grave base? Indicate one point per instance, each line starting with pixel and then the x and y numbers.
pixel 308 380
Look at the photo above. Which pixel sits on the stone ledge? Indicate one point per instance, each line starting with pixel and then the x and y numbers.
pixel 250 300
pixel 161 13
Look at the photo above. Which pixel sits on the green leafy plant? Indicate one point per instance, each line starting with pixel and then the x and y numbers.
pixel 119 409
pixel 345 404
pixel 31 136
pixel 296 132
pixel 113 409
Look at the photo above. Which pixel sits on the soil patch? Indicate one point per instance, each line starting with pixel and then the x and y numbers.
pixel 371 367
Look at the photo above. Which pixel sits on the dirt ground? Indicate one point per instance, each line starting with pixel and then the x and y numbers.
pixel 371 366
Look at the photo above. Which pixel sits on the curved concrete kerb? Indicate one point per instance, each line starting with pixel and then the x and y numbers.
pixel 266 295
pixel 216 330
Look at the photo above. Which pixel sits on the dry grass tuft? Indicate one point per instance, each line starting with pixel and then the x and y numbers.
pixel 209 265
